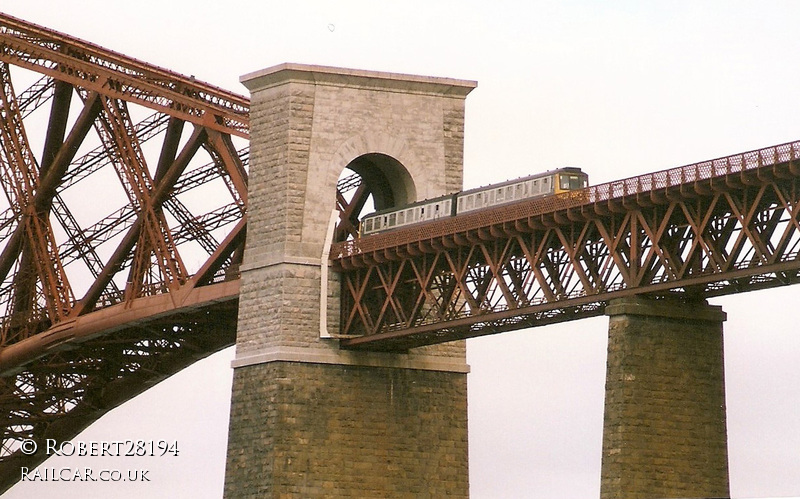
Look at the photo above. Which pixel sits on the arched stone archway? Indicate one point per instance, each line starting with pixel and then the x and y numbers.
pixel 372 181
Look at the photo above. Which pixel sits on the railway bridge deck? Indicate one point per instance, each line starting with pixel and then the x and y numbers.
pixel 712 228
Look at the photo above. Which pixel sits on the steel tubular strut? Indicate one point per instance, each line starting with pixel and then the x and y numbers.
pixel 156 198
pixel 21 179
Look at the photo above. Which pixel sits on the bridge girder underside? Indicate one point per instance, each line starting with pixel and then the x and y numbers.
pixel 122 229
pixel 715 228
pixel 60 394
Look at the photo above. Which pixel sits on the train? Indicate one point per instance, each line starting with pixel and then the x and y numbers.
pixel 533 186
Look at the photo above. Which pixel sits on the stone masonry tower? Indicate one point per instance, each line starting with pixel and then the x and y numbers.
pixel 307 419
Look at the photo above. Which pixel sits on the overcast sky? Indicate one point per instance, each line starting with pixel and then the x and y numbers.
pixel 617 88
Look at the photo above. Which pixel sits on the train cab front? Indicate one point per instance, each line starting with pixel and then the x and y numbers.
pixel 570 179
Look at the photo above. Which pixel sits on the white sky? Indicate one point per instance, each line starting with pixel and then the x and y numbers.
pixel 619 88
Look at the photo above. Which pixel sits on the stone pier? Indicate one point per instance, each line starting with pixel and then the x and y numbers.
pixel 665 432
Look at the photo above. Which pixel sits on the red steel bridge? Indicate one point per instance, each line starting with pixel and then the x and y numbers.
pixel 124 219
pixel 707 229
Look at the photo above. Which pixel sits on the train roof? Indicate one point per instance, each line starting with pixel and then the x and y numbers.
pixel 548 173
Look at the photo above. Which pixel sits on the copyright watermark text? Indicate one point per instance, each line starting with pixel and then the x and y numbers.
pixel 118 448
pixel 41 474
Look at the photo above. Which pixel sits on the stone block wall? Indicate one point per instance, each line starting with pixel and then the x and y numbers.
pixel 331 431
pixel 665 432
pixel 307 124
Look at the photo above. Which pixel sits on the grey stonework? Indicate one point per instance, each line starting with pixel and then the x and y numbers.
pixel 309 420
pixel 665 432
pixel 307 124
pixel 310 430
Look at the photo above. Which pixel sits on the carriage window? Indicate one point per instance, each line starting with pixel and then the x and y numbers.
pixel 368 225
pixel 564 182
pixel 392 219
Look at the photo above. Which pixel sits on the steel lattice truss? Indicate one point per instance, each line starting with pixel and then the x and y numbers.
pixel 122 224
pixel 708 229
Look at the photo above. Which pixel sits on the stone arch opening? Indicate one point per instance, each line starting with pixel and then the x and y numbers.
pixel 370 182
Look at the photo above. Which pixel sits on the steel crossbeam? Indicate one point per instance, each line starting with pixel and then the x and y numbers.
pixel 709 229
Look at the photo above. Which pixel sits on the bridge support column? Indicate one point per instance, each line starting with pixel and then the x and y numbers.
pixel 308 419
pixel 665 429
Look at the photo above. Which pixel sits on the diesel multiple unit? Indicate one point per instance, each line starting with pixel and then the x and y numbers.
pixel 543 184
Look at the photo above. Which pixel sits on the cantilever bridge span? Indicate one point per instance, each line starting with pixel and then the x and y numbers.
pixel 124 221
pixel 122 227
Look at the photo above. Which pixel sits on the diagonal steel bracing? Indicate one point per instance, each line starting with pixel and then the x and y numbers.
pixel 124 188
pixel 20 179
pixel 94 68
pixel 713 228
